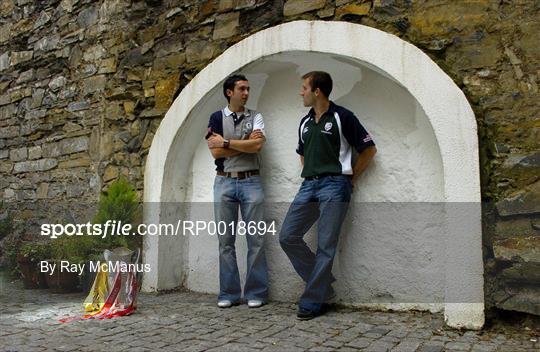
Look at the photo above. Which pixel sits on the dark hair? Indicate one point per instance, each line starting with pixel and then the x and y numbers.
pixel 321 80
pixel 230 82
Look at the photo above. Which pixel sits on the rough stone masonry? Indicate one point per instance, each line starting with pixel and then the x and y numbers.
pixel 84 85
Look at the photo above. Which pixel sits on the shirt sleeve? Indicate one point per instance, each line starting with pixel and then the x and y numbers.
pixel 258 123
pixel 355 134
pixel 215 125
pixel 300 146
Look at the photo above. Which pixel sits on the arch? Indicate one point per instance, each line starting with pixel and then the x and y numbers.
pixel 444 105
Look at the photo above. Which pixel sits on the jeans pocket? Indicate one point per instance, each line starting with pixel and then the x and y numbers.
pixel 253 179
pixel 342 182
pixel 218 180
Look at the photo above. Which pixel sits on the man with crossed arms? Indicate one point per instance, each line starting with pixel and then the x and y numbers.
pixel 235 138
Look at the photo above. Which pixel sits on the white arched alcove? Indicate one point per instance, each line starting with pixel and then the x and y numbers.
pixel 412 238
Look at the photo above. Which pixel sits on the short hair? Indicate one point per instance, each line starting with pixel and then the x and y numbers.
pixel 321 80
pixel 230 82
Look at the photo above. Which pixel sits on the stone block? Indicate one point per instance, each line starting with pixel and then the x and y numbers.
pixel 469 54
pixel 147 142
pixel 9 194
pixel 111 173
pixel 173 12
pixel 165 91
pixel 226 5
pixel 81 162
pixel 200 51
pixel 4 61
pixel 57 83
pixel 36 114
pixel 6 166
pixel 226 25
pixel 244 4
pixel 152 33
pixel 87 17
pixel 514 227
pixel 42 190
pixel 5 32
pixel 436 21
pixel 8 111
pixel 522 299
pixel 129 107
pixel 525 273
pixel 18 94
pixel 18 57
pixel 37 98
pixel 163 66
pixel 94 84
pixel 9 132
pixel 68 94
pixel 522 202
pixel 66 146
pixel 47 43
pixel 34 152
pixel 106 145
pixel 35 165
pixel 529 39
pixel 94 53
pixel 296 7
pixel 26 76
pixel 353 9
pixel 327 12
pixel 78 106
pixel 43 18
pixel 107 65
pixel 19 154
pixel 6 7
pixel 526 249
pixel 523 161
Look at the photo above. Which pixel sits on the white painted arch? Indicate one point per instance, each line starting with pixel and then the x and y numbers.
pixel 444 105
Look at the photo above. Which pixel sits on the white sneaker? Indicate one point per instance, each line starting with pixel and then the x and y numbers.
pixel 225 303
pixel 254 303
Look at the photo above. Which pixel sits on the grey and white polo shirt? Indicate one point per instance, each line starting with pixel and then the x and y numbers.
pixel 236 126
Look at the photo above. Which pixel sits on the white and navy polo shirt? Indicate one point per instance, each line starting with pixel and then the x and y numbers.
pixel 327 145
pixel 237 126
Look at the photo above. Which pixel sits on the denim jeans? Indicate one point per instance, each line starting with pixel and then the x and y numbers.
pixel 326 199
pixel 230 195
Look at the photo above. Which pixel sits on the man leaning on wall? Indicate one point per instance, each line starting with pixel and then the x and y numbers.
pixel 235 138
pixel 326 137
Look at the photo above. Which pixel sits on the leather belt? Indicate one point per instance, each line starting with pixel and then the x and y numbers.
pixel 239 175
pixel 316 177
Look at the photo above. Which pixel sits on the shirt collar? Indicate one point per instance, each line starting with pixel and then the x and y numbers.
pixel 227 112
pixel 331 110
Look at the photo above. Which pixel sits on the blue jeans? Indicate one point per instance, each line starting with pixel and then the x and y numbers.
pixel 230 194
pixel 326 199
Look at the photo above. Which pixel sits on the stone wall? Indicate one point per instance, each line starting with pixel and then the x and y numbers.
pixel 84 85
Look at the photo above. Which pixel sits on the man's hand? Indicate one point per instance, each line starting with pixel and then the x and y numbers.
pixel 215 141
pixel 256 134
pixel 362 162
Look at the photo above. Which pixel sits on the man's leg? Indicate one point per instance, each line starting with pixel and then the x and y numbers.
pixel 334 196
pixel 226 210
pixel 252 206
pixel 302 214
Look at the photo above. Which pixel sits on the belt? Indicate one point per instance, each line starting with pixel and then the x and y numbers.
pixel 239 175
pixel 316 177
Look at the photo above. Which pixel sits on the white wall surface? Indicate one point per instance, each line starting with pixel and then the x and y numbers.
pixel 394 249
pixel 387 253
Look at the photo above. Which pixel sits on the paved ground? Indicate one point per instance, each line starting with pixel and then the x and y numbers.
pixel 185 321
